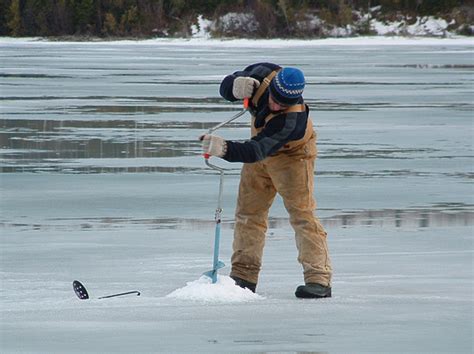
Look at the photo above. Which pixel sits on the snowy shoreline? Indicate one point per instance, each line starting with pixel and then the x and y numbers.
pixel 259 43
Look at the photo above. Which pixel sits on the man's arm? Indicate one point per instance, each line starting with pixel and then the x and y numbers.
pixel 276 133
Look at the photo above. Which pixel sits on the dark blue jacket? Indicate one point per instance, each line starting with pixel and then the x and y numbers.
pixel 278 131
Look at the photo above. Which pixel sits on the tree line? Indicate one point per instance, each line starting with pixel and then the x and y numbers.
pixel 145 18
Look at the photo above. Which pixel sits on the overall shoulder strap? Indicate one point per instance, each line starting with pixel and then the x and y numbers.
pixel 263 86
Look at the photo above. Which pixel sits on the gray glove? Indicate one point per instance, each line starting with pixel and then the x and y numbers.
pixel 213 145
pixel 243 87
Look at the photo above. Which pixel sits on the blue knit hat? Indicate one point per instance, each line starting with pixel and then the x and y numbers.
pixel 287 86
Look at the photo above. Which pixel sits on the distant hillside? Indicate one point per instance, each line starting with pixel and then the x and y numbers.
pixel 235 18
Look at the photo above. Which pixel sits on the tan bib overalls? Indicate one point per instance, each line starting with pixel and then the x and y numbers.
pixel 290 172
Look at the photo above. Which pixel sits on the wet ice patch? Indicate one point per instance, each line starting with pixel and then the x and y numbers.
pixel 224 291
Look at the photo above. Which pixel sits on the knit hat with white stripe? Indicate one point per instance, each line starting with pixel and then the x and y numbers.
pixel 287 86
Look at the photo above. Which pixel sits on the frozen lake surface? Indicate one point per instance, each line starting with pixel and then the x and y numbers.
pixel 102 181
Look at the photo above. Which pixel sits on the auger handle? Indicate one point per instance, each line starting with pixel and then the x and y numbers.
pixel 246 102
pixel 220 125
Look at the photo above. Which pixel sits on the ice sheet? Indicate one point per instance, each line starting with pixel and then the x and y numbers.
pixel 102 181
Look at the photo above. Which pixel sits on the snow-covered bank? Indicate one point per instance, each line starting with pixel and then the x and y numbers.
pixel 261 43
pixel 312 25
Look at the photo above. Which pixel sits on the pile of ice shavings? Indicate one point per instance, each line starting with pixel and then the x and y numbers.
pixel 223 291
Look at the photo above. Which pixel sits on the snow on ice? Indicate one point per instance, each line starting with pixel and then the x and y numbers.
pixel 224 291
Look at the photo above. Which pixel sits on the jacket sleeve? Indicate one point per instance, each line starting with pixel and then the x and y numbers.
pixel 276 133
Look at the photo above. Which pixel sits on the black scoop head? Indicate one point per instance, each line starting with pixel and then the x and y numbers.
pixel 80 290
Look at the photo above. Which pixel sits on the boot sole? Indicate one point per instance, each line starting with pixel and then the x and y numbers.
pixel 303 294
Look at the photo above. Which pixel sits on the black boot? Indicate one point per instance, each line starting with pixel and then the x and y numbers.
pixel 313 291
pixel 244 284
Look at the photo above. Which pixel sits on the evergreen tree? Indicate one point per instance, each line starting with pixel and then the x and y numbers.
pixel 83 16
pixel 148 17
pixel 14 22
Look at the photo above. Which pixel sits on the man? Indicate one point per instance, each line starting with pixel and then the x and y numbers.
pixel 278 158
